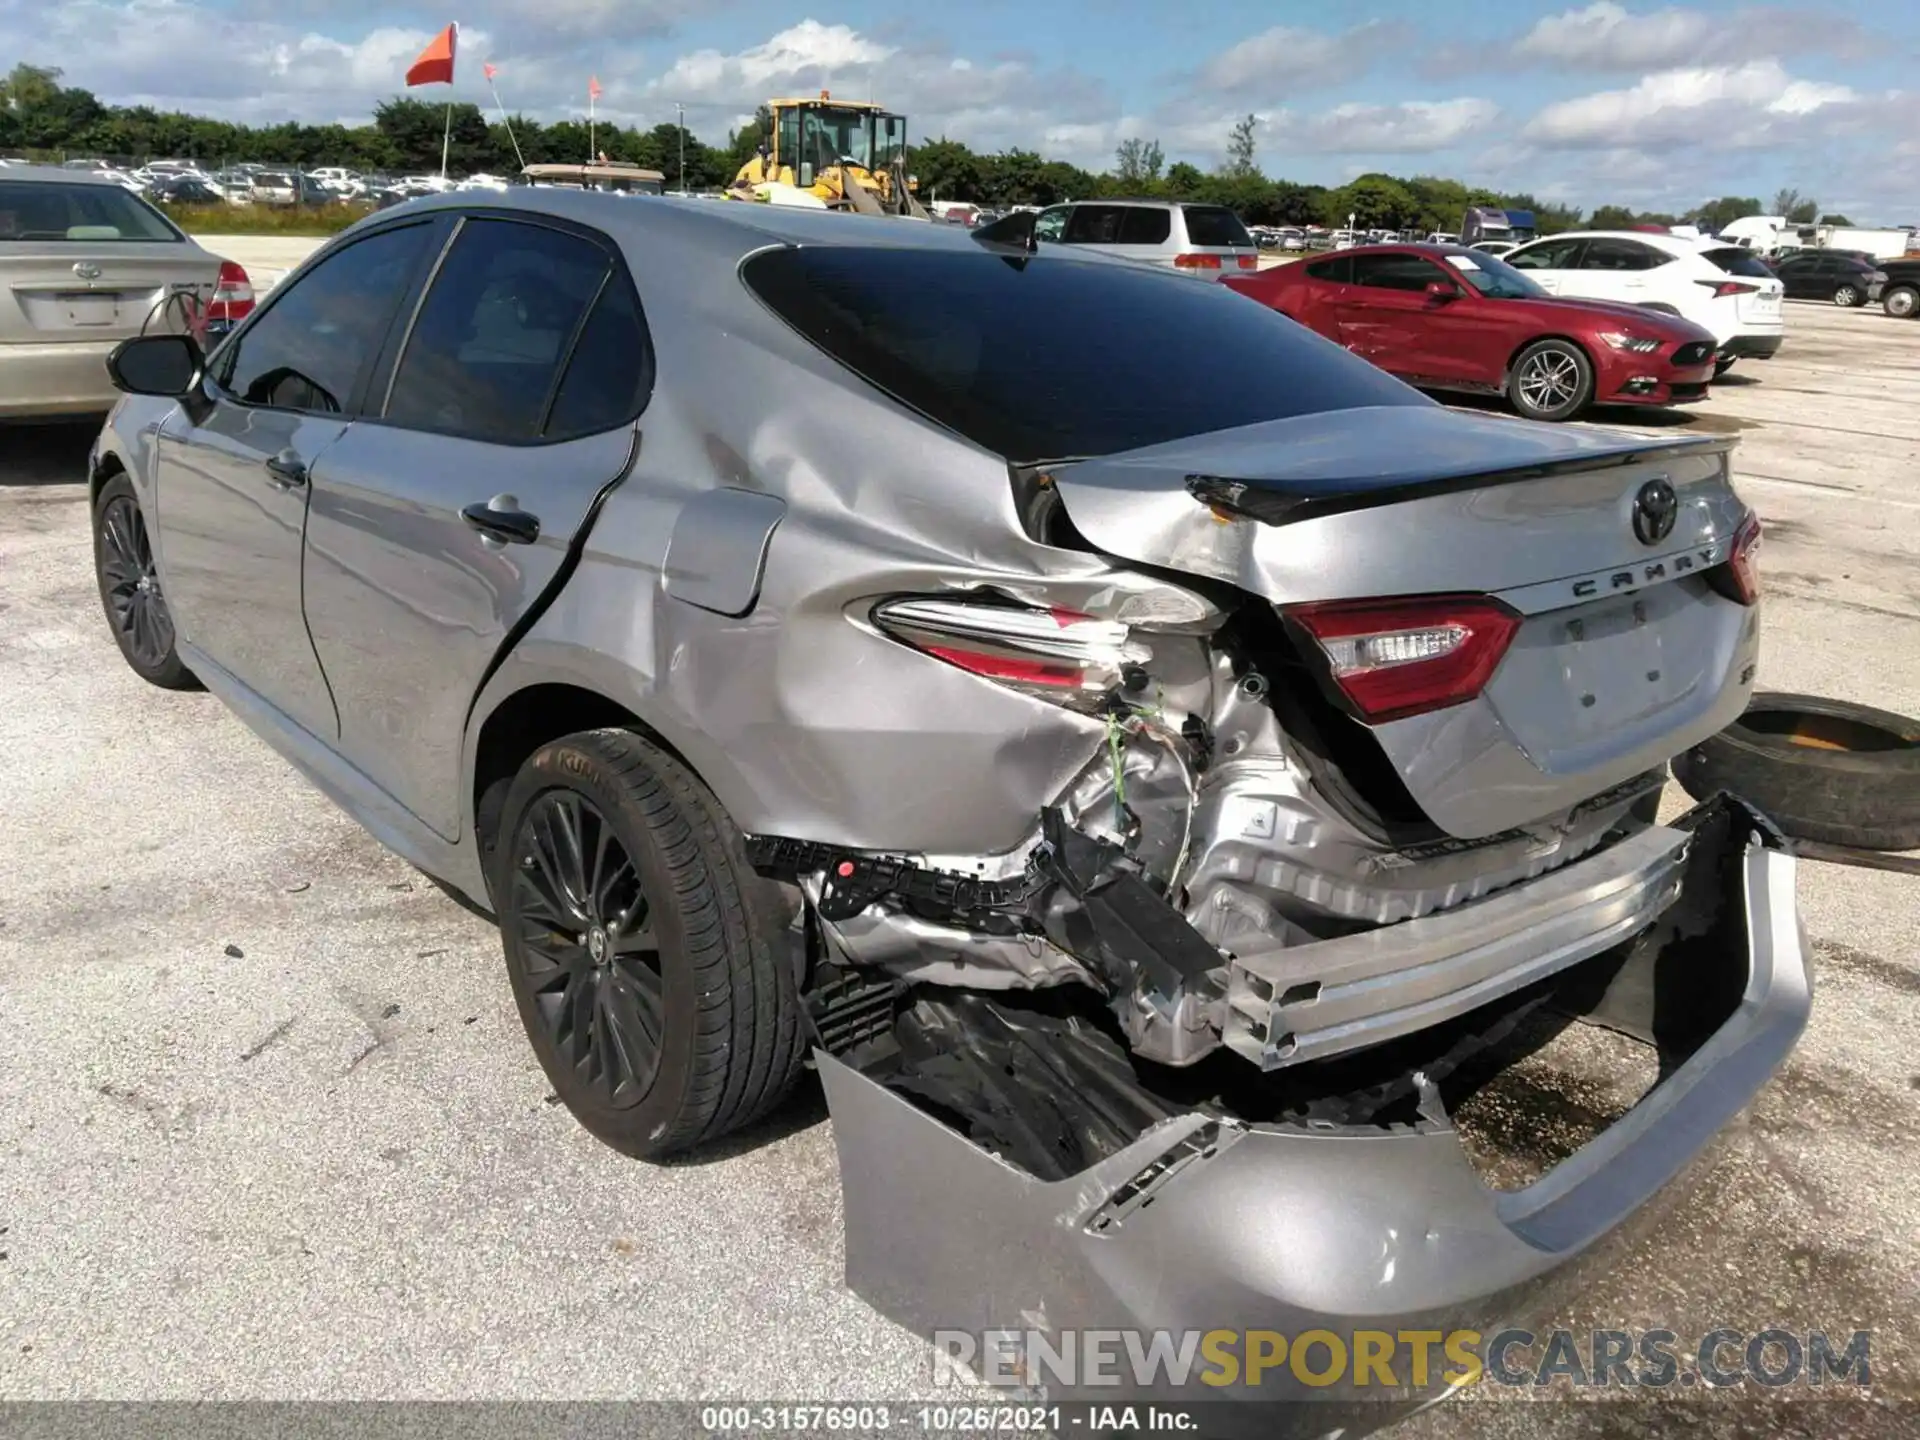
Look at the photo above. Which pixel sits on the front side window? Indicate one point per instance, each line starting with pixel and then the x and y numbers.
pixel 1395 272
pixel 1057 359
pixel 488 343
pixel 1049 224
pixel 41 210
pixel 1621 255
pixel 1547 255
pixel 307 348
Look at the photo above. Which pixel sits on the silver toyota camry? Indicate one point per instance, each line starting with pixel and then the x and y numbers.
pixel 1143 756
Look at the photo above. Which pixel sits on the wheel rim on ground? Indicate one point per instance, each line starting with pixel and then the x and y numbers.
pixel 1902 302
pixel 140 615
pixel 591 958
pixel 1846 295
pixel 1549 379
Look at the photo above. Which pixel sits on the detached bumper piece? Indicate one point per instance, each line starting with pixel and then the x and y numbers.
pixel 1007 1165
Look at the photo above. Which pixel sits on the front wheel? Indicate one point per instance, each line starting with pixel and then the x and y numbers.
pixel 1847 296
pixel 1552 380
pixel 130 592
pixel 644 953
pixel 1901 302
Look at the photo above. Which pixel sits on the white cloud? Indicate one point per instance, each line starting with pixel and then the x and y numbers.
pixel 1606 36
pixel 1709 105
pixel 1412 127
pixel 1285 60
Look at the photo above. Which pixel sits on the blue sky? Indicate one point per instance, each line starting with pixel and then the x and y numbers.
pixel 1651 105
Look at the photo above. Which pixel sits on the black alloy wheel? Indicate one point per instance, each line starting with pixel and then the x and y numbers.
pixel 655 971
pixel 130 592
pixel 591 955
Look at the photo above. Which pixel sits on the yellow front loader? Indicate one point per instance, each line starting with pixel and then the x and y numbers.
pixel 838 154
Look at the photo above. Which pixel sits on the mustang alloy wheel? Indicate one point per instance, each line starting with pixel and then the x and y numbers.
pixel 648 960
pixel 130 590
pixel 1552 380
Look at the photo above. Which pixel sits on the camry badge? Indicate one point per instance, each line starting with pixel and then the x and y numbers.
pixel 1655 509
pixel 86 270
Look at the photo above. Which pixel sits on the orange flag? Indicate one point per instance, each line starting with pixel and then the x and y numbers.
pixel 435 65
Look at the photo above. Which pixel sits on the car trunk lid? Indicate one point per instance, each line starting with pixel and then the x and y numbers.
pixel 1621 651
pixel 60 291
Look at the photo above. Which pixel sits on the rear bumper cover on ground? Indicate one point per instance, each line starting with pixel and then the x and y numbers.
pixel 1751 347
pixel 1206 1223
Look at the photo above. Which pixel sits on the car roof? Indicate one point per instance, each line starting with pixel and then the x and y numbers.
pixel 738 227
pixel 1675 244
pixel 52 174
pixel 1146 201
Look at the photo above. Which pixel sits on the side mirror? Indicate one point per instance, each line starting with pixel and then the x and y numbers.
pixel 164 365
pixel 1443 290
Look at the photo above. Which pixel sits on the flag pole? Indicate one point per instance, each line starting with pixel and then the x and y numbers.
pixel 506 120
pixel 593 140
pixel 446 129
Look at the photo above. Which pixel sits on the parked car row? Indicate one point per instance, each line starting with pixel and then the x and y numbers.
pixel 1181 780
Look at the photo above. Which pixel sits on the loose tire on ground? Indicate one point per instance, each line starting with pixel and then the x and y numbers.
pixel 130 593
pixel 1550 380
pixel 1823 770
pixel 658 997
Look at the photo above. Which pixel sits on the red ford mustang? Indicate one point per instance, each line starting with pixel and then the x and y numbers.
pixel 1447 318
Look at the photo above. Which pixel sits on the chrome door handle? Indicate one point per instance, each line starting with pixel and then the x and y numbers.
pixel 501 518
pixel 286 470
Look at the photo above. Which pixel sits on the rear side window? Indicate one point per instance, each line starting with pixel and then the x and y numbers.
pixel 1337 271
pixel 1737 261
pixel 1057 359
pixel 610 373
pixel 1095 225
pixel 50 210
pixel 488 344
pixel 1215 225
pixel 1145 225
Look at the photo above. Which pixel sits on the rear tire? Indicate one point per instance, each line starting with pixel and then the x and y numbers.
pixel 1847 296
pixel 1551 380
pixel 136 610
pixel 1820 769
pixel 646 956
pixel 1901 302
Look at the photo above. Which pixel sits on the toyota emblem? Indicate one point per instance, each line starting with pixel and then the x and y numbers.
pixel 87 270
pixel 1655 509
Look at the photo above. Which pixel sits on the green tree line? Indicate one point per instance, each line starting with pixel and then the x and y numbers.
pixel 43 119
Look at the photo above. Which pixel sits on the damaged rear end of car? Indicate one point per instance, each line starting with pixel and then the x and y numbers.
pixel 1374 703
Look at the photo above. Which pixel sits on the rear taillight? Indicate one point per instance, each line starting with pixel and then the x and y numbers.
pixel 1196 262
pixel 232 293
pixel 1401 657
pixel 1739 578
pixel 1249 262
pixel 1059 655
pixel 1723 288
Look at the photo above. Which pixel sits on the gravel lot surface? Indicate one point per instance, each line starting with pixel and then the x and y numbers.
pixel 269 1128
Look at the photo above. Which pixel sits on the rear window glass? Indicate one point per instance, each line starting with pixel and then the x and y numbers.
pixel 1053 359
pixel 1736 261
pixel 1215 225
pixel 33 210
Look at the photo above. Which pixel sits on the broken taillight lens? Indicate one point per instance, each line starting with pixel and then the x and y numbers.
pixel 1058 655
pixel 1401 657
pixel 1739 578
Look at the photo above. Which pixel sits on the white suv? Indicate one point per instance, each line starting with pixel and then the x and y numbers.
pixel 1721 288
pixel 1204 240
